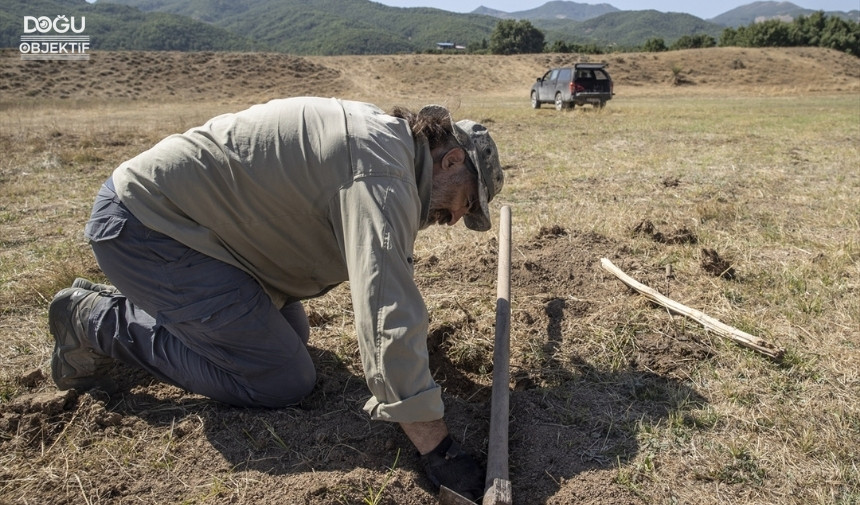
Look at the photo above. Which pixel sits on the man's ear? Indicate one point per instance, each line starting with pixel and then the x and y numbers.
pixel 454 157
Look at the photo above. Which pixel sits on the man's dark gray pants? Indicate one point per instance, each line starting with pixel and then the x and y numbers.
pixel 191 320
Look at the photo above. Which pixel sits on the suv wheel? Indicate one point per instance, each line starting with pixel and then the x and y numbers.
pixel 559 102
pixel 535 101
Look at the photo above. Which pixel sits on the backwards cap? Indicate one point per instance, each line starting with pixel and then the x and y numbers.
pixel 476 141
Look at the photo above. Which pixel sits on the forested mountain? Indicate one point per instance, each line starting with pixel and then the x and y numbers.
pixel 331 26
pixel 358 26
pixel 628 28
pixel 760 11
pixel 555 9
pixel 113 26
pixel 739 16
pixel 362 26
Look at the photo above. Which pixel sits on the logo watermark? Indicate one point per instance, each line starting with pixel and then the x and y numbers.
pixel 60 38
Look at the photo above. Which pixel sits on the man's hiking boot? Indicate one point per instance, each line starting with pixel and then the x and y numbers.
pixel 92 286
pixel 75 363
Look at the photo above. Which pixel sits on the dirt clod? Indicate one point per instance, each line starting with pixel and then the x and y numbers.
pixel 31 378
pixel 50 402
pixel 682 235
pixel 671 182
pixel 715 265
pixel 551 231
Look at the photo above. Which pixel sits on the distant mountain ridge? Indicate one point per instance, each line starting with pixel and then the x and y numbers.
pixel 556 9
pixel 761 11
pixel 630 28
pixel 739 16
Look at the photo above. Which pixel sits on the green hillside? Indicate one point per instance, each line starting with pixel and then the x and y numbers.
pixel 746 14
pixel 331 26
pixel 365 27
pixel 555 9
pixel 628 28
pixel 113 27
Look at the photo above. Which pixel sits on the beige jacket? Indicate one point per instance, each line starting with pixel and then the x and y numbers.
pixel 303 194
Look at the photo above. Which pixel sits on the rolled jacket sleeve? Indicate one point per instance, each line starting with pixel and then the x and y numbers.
pixel 380 220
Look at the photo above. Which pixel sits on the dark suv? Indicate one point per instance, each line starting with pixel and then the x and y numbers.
pixel 577 85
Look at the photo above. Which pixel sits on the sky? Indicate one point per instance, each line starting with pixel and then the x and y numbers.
pixel 704 10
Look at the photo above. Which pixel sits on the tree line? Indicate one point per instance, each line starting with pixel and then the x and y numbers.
pixel 816 30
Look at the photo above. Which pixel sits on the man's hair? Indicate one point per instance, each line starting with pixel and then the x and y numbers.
pixel 432 123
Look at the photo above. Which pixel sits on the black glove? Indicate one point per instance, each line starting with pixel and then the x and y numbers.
pixel 450 466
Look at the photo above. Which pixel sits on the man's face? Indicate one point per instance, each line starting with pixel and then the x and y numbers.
pixel 455 189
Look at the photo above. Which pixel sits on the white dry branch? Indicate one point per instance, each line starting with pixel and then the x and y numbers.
pixel 722 329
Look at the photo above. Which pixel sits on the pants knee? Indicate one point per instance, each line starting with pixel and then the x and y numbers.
pixel 289 388
pixel 297 318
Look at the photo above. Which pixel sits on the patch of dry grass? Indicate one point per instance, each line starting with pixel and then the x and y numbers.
pixel 769 182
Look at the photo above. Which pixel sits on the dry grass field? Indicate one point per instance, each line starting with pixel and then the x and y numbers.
pixel 746 156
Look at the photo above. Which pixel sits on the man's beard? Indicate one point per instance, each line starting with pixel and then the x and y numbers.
pixel 446 188
pixel 439 216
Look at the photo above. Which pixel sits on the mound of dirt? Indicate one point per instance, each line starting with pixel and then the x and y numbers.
pixel 252 77
pixel 141 75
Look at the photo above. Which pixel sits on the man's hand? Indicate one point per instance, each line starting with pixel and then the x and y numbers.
pixel 445 462
pixel 450 466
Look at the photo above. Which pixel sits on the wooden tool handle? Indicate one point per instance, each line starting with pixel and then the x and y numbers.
pixel 497 485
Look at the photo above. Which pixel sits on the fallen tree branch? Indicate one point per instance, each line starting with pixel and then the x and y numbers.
pixel 724 330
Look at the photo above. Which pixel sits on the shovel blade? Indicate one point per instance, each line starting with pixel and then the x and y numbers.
pixel 448 497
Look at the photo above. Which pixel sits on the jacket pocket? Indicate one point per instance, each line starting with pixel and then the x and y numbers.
pixel 101 228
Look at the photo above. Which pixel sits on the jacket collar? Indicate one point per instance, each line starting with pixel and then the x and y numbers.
pixel 423 177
